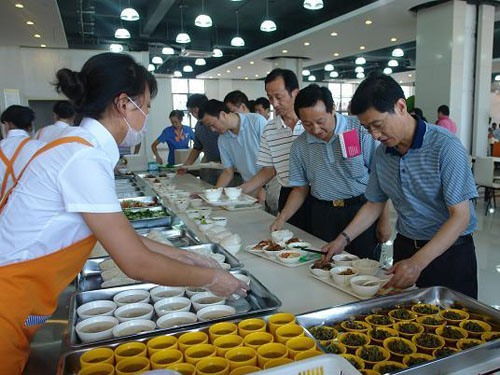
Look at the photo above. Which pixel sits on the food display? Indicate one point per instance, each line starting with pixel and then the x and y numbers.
pixel 144 214
pixel 129 203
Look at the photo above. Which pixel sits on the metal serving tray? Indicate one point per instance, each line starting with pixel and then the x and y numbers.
pixel 151 222
pixel 128 195
pixel 147 200
pixel 178 237
pixel 441 296
pixel 258 301
pixel 217 249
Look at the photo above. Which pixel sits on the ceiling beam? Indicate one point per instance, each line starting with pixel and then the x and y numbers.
pixel 156 12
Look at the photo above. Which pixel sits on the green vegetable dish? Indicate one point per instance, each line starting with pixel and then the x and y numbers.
pixel 432 321
pixel 322 333
pixel 399 347
pixel 355 325
pixel 402 314
pixel 379 334
pixel 444 352
pixel 452 315
pixel 408 328
pixel 353 362
pixel 426 309
pixel 494 336
pixel 428 340
pixel 380 320
pixel 472 327
pixel 388 368
pixel 452 333
pixel 354 340
pixel 469 344
pixel 372 354
pixel 413 361
pixel 333 349
pixel 145 214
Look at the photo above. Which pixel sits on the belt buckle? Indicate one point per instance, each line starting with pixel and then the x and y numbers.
pixel 338 203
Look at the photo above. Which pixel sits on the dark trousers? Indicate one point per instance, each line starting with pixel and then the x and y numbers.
pixel 329 221
pixel 456 268
pixel 302 218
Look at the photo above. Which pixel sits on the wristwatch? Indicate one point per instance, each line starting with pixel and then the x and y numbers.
pixel 347 238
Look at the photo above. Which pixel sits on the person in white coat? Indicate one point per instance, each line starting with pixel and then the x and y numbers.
pixel 64 115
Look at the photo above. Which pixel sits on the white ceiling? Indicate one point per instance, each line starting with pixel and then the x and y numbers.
pixel 47 23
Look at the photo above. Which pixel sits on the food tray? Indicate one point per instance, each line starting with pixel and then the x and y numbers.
pixel 243 199
pixel 178 237
pixel 152 201
pixel 311 258
pixel 258 301
pixel 151 222
pixel 441 296
pixel 129 194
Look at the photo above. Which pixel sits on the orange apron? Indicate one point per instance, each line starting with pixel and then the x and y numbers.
pixel 9 165
pixel 29 290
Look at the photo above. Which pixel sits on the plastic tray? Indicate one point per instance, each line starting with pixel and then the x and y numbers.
pixel 311 258
pixel 327 364
pixel 243 199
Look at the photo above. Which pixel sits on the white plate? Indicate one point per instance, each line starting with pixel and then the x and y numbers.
pixel 312 258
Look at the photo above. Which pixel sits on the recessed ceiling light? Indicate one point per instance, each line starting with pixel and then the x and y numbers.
pixel 251 63
pixel 329 67
pixel 368 22
pixel 43 45
pixel 256 76
pixel 228 71
pixel 334 33
pixel 336 54
pixel 360 61
pixel 116 47
pixel 19 5
pixel 409 75
pixel 238 67
pixel 394 39
pixel 218 74
pixel 37 36
pixel 187 68
pixel 307 44
pixel 400 81
pixel 362 47
pixel 200 62
pixel 246 77
pixel 157 60
pixel 30 23
pixel 284 51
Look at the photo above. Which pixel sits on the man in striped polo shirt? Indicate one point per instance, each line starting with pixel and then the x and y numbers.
pixel 337 182
pixel 424 170
pixel 282 87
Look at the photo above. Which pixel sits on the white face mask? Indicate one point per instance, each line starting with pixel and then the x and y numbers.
pixel 134 137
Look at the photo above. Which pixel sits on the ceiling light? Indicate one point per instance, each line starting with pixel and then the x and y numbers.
pixel 392 63
pixel 43 45
pixel 268 72
pixel 115 47
pixel 329 67
pixel 19 5
pixel 167 51
pixel 157 60
pixel 334 74
pixel 217 52
pixel 200 62
pixel 228 71
pixel 177 73
pixel 151 68
pixel 334 33
pixel 238 67
pixel 313 4
pixel 311 78
pixel 246 77
pixel 497 77
pixel 359 69
pixel 362 47
pixel 307 44
pixel 409 76
pixel 30 23
pixel 398 52
pixel 187 68
pixel 336 54
pixel 183 38
pixel 122 33
pixel 368 22
pixel 284 51
pixel 268 26
pixel 400 81
pixel 306 72
pixel 218 74
pixel 237 41
pixel 210 77
pixel 251 62
pixel 129 14
pixel 360 75
pixel 37 36
pixel 256 76
pixel 360 61
pixel 387 71
pixel 394 39
pixel 203 20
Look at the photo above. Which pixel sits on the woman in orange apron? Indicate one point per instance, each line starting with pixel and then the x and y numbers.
pixel 65 200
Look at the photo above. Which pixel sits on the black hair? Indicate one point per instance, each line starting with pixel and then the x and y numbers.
pixel 379 91
pixel 22 117
pixel 196 101
pixel 213 108
pixel 310 95
pixel 63 109
pixel 237 98
pixel 444 109
pixel 289 77
pixel 177 113
pixel 251 106
pixel 263 102
pixel 102 78
pixel 419 113
pixel 493 123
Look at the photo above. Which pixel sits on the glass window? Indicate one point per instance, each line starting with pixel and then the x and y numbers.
pixel 196 86
pixel 180 101
pixel 181 89
pixel 335 89
pixel 179 86
pixel 348 89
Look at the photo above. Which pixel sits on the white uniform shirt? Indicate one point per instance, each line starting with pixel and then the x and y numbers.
pixel 42 214
pixel 51 132
pixel 9 146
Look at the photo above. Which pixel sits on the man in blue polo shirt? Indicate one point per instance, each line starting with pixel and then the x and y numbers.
pixel 424 170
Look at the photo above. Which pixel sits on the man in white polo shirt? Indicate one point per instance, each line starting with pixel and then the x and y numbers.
pixel 64 114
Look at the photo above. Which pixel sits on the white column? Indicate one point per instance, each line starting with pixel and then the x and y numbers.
pixel 291 63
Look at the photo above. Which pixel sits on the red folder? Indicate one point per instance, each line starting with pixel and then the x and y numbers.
pixel 349 142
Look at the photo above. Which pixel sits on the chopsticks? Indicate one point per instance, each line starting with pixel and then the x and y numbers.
pixel 312 251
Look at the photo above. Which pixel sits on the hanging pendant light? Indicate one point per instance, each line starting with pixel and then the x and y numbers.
pixel 217 52
pixel 129 14
pixel 387 71
pixel 116 48
pixel 182 37
pixel 329 67
pixel 237 41
pixel 497 77
pixel 268 25
pixel 167 51
pixel 203 20
pixel 313 4
pixel 151 68
pixel 360 75
pixel 157 60
pixel 311 78
pixel 392 63
pixel 306 72
pixel 187 68
pixel 359 69
pixel 122 33
pixel 200 62
pixel 398 52
pixel 177 73
pixel 360 61
pixel 334 74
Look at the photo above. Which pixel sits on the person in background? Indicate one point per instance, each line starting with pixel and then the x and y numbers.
pixel 16 147
pixel 418 112
pixel 251 106
pixel 424 170
pixel 64 116
pixel 262 107
pixel 239 141
pixel 496 132
pixel 177 137
pixel 444 120
pixel 491 141
pixel 237 102
pixel 337 182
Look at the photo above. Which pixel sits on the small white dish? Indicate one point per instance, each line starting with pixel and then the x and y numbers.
pixel 131 296
pixel 134 311
pixel 96 328
pixel 182 204
pixel 196 202
pixel 161 292
pixel 205 211
pixel 281 235
pixel 344 259
pixel 192 290
pixel 206 299
pixel 366 266
pixel 218 257
pixel 213 194
pixel 192 213
pixel 133 327
pixel 289 256
pixel 319 272
pixel 373 285
pixel 215 230
pixel 232 192
pixel 205 225
pixel 220 221
pixel 176 319
pixel 215 312
pixel 233 249
pixel 171 305
pixel 96 308
pixel 343 279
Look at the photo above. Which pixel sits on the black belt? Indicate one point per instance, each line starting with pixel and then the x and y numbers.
pixel 418 244
pixel 342 203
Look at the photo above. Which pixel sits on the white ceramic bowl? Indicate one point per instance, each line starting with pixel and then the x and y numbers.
pixel 271 254
pixel 133 327
pixel 205 211
pixel 182 204
pixel 219 257
pixel 294 256
pixel 134 311
pixel 233 249
pixel 344 259
pixel 215 312
pixel 161 292
pixel 206 299
pixel 299 245
pixel 213 194
pixel 171 305
pixel 192 213
pixel 342 279
pixel 366 291
pixel 281 235
pixel 319 272
pixel 220 220
pixel 366 266
pixel 243 278
pixel 205 225
pixel 96 308
pixel 96 328
pixel 176 319
pixel 232 192
pixel 131 296
pixel 225 266
pixel 196 202
pixel 192 290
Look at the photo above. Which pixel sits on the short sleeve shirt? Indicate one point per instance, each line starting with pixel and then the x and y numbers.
pixel 433 175
pixel 168 136
pixel 206 140
pixel 51 132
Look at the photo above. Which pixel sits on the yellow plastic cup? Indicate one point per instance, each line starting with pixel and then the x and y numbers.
pixel 213 366
pixel 165 358
pixel 287 332
pixel 309 354
pixel 196 353
pixel 278 320
pixel 222 329
pixel 183 368
pixel 242 356
pixel 132 365
pixel 160 343
pixel 245 370
pixel 300 344
pixel 224 344
pixel 130 349
pixel 247 326
pixel 95 356
pixel 98 369
pixel 256 339
pixel 277 362
pixel 269 352
pixel 190 339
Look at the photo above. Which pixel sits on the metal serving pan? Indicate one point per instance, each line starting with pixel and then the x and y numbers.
pixel 441 296
pixel 178 237
pixel 258 301
pixel 128 195
pixel 151 222
pixel 153 201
